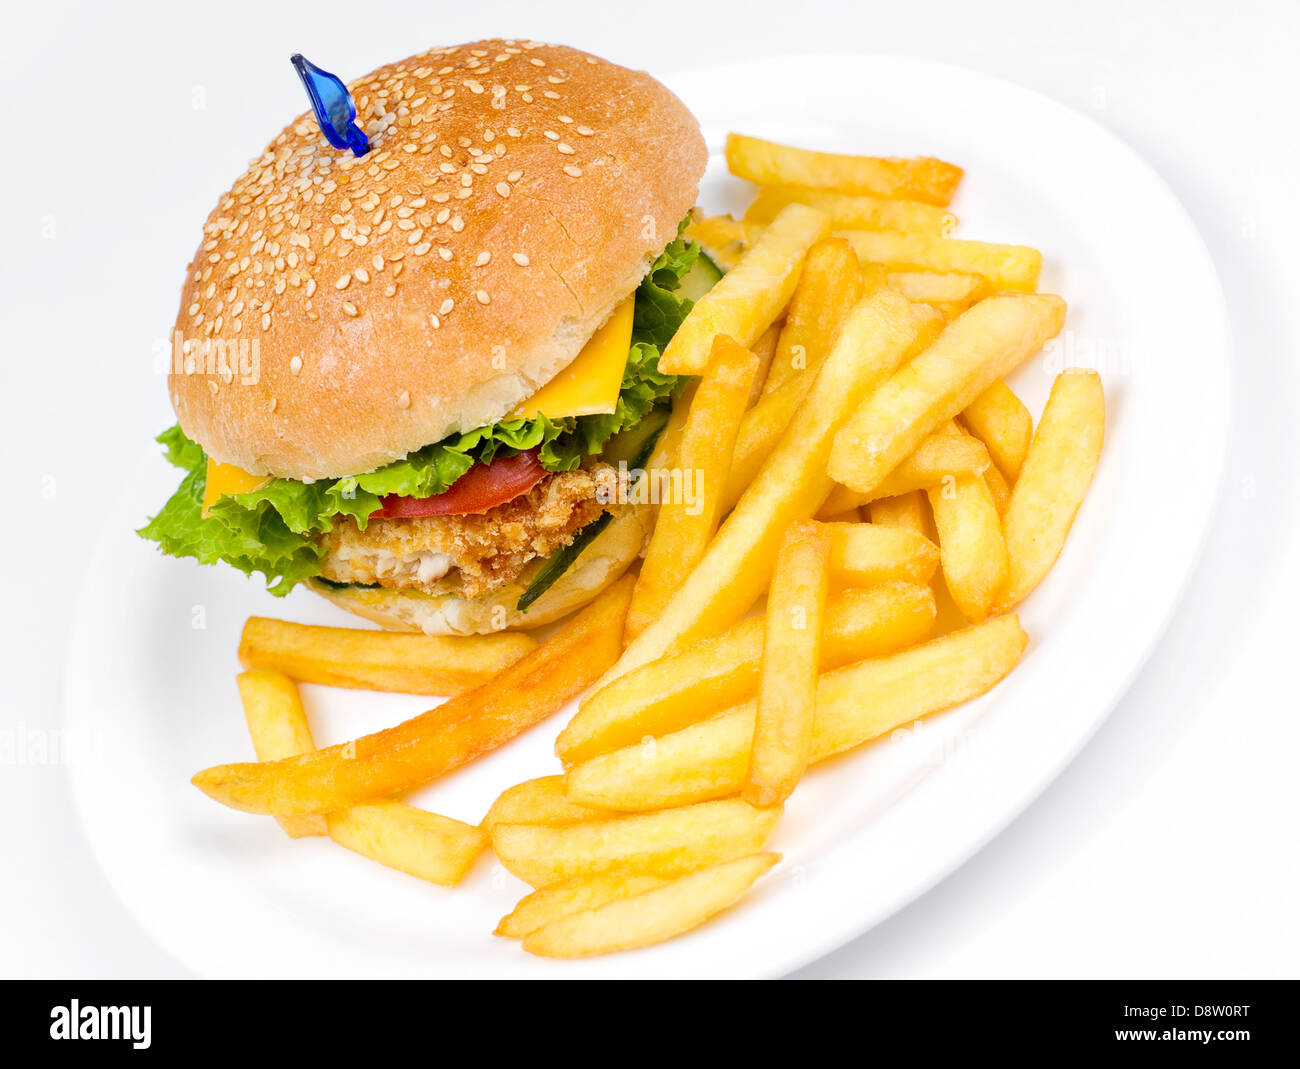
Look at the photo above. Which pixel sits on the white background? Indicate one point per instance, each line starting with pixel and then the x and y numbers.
pixel 1168 848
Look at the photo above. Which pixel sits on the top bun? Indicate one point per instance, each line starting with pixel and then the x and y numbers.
pixel 514 193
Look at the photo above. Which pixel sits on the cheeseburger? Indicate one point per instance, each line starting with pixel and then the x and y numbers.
pixel 416 379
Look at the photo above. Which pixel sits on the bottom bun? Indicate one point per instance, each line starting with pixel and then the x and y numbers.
pixel 600 564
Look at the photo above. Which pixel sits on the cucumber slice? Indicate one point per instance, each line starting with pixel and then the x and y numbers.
pixel 702 277
pixel 562 561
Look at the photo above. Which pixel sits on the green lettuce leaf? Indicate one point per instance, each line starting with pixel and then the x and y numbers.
pixel 272 529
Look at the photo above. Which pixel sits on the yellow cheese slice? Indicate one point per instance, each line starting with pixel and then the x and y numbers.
pixel 227 479
pixel 591 383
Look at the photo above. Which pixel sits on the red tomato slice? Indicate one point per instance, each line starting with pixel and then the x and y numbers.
pixel 483 487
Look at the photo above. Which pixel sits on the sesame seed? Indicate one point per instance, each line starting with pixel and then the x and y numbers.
pixel 550 135
pixel 295 365
pixel 564 148
pixel 482 297
pixel 404 399
pixel 521 259
pixel 350 308
pixel 362 274
pixel 503 189
pixel 445 253
pixel 572 171
pixel 446 307
pixel 342 282
pixel 266 320
pixel 482 258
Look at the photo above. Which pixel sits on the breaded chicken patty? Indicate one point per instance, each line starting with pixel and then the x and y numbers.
pixel 470 554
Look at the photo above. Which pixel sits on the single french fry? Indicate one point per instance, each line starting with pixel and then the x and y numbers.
pixel 972 549
pixel 653 915
pixel 945 452
pixel 538 801
pixel 749 297
pixel 791 485
pixel 998 488
pixel 667 843
pixel 419 843
pixel 1053 481
pixel 948 289
pixel 278 726
pixel 760 430
pixel 1006 267
pixel 787 683
pixel 567 897
pixel 829 286
pixel 664 456
pixel 978 348
pixel 426 746
pixel 864 554
pixel 378 660
pixel 906 511
pixel 854 212
pixel 765 350
pixel 999 419
pixel 723 238
pixel 683 528
pixel 677 690
pixel 766 163
pixel 856 704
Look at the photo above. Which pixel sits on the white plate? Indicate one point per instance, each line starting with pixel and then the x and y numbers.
pixel 152 659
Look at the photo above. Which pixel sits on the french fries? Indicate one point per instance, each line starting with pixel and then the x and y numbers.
pixel 1006 267
pixel 766 163
pixel 378 660
pixel 766 422
pixel 652 915
pixel 677 690
pixel 944 453
pixel 670 842
pixel 855 704
pixel 787 684
pixel 538 801
pixel 567 897
pixel 414 841
pixel 278 726
pixel 435 742
pixel 791 486
pixel 683 529
pixel 864 554
pixel 854 212
pixel 828 288
pixel 978 348
pixel 971 547
pixel 999 419
pixel 760 430
pixel 1053 481
pixel 751 295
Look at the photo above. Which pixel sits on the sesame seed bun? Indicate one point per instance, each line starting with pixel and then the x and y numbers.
pixel 513 195
pixel 600 564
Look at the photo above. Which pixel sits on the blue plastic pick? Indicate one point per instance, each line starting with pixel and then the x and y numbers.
pixel 332 103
